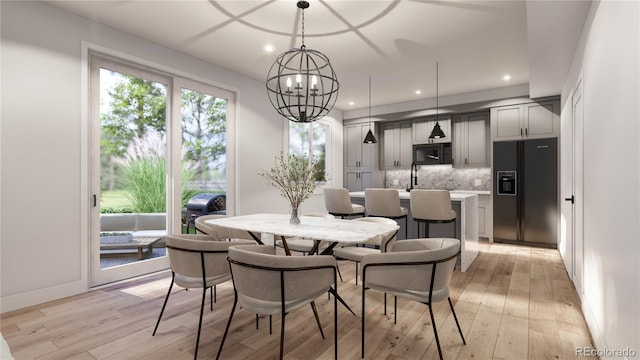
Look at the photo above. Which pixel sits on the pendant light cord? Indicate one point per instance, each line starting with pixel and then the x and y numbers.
pixel 369 102
pixel 302 27
pixel 437 86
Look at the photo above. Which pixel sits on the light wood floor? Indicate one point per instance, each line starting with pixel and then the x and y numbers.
pixel 515 302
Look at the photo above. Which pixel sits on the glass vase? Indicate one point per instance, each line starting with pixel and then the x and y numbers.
pixel 295 216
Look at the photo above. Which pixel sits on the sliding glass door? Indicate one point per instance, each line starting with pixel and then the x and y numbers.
pixel 157 142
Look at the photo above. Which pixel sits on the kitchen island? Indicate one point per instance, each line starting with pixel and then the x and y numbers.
pixel 465 205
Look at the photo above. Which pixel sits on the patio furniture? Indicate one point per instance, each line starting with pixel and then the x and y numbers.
pixel 143 247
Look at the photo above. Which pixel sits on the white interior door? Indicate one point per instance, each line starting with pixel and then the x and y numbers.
pixel 577 177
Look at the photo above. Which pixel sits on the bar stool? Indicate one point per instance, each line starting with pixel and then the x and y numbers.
pixel 338 203
pixel 432 206
pixel 385 203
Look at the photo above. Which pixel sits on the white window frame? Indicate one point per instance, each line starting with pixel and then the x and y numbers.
pixel 174 79
pixel 328 149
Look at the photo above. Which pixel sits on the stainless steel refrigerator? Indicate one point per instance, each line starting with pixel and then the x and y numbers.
pixel 525 200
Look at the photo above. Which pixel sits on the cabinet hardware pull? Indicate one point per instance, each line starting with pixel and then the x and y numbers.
pixel 94 200
pixel 570 199
pixel 526 131
pixel 520 131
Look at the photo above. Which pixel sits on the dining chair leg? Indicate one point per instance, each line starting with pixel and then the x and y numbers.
pixel 226 330
pixel 166 299
pixel 204 297
pixel 315 314
pixel 335 323
pixel 385 304
pixel 435 331
pixel 456 319
pixel 356 273
pixel 282 336
pixel 270 324
pixel 363 312
pixel 257 322
pixel 395 309
pixel 333 292
pixel 339 274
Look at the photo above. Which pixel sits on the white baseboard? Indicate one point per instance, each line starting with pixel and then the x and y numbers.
pixel 35 297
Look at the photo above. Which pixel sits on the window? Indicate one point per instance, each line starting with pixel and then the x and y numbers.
pixel 315 139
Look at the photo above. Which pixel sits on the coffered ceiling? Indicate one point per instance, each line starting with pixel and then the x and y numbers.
pixel 396 42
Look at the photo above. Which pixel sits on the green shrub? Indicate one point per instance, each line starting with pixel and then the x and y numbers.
pixel 144 174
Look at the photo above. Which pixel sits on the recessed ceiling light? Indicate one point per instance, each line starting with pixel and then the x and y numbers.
pixel 268 48
pixel 418 92
pixel 351 103
pixel 506 77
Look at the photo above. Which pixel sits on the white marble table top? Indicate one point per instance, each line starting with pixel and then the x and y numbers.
pixel 315 228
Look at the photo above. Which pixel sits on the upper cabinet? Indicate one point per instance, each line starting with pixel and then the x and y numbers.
pixel 470 139
pixel 358 156
pixel 397 146
pixel 526 121
pixel 422 129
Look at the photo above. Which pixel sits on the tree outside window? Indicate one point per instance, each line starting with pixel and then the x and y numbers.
pixel 311 138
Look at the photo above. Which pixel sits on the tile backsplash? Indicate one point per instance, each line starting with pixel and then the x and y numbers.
pixel 441 177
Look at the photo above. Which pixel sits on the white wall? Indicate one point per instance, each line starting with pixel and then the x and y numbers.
pixel 43 252
pixel 608 60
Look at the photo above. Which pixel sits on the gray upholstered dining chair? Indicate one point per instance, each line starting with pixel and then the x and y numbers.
pixel 432 206
pixel 267 284
pixel 385 203
pixel 415 269
pixel 338 203
pixel 376 245
pixel 197 261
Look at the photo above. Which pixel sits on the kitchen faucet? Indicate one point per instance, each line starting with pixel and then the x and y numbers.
pixel 414 176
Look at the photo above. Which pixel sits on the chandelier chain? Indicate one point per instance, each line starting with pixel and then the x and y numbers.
pixel 303 27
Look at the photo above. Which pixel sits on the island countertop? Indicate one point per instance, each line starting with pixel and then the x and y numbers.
pixel 466 206
pixel 405 195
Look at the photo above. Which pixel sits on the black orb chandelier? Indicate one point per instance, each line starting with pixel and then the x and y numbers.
pixel 301 83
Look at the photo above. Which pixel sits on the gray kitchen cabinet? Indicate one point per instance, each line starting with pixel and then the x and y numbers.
pixel 485 217
pixel 358 156
pixel 397 146
pixel 470 140
pixel 359 180
pixel 533 120
pixel 422 129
